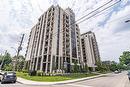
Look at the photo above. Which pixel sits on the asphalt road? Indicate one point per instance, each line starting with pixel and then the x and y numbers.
pixel 112 80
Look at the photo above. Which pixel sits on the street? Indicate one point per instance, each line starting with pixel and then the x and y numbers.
pixel 112 80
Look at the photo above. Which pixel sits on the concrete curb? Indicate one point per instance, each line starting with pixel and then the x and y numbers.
pixel 29 82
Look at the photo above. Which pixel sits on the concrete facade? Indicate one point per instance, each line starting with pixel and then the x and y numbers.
pixel 55 43
pixel 90 50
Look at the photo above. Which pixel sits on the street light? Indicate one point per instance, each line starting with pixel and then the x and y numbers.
pixel 127 21
pixel 14 49
pixel 16 57
pixel 17 52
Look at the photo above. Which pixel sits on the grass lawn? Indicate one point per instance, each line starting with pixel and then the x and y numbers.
pixel 52 78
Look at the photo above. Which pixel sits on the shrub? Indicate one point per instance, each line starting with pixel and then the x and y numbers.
pixel 32 73
pixel 25 71
pixel 76 68
pixel 39 73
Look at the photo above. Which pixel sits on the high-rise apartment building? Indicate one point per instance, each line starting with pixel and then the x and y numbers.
pixel 54 42
pixel 56 45
pixel 90 50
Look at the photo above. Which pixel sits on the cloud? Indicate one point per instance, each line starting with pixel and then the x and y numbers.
pixel 18 16
pixel 113 37
pixel 15 20
pixel 111 31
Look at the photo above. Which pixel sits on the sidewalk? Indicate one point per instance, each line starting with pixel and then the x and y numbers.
pixel 29 82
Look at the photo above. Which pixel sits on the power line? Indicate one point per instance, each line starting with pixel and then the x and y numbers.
pixel 92 15
pixel 93 11
pixel 85 16
pixel 99 12
pixel 118 18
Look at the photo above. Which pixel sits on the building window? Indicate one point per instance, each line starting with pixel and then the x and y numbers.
pixel 68 59
pixel 63 59
pixel 57 59
pixel 39 63
pixel 48 68
pixel 46 43
pixel 35 63
pixel 58 35
pixel 45 51
pixel 45 57
pixel 49 58
pixel 44 67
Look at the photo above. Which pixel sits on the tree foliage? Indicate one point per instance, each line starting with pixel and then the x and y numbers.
pixel 101 67
pixel 125 58
pixel 113 66
pixel 8 64
pixel 75 68
pixel 108 66
pixel 8 67
pixel 21 61
pixel 6 59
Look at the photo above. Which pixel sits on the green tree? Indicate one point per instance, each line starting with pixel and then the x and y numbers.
pixel 1 57
pixel 99 66
pixel 107 64
pixel 102 67
pixel 125 58
pixel 113 66
pixel 6 60
pixel 8 67
pixel 120 66
pixel 21 61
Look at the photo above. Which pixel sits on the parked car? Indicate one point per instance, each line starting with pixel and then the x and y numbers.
pixel 128 75
pixel 1 75
pixel 8 77
pixel 117 71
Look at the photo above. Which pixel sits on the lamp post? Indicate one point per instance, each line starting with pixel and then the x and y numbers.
pixel 127 21
pixel 18 51
pixel 14 49
pixel 14 59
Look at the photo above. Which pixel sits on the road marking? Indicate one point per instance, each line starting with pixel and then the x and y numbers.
pixel 76 85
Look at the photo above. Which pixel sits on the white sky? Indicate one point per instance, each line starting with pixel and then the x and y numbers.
pixel 18 16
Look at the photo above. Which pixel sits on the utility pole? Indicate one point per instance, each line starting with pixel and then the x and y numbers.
pixel 18 51
pixel 1 62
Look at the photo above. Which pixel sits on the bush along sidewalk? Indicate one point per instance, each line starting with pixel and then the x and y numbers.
pixel 41 77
